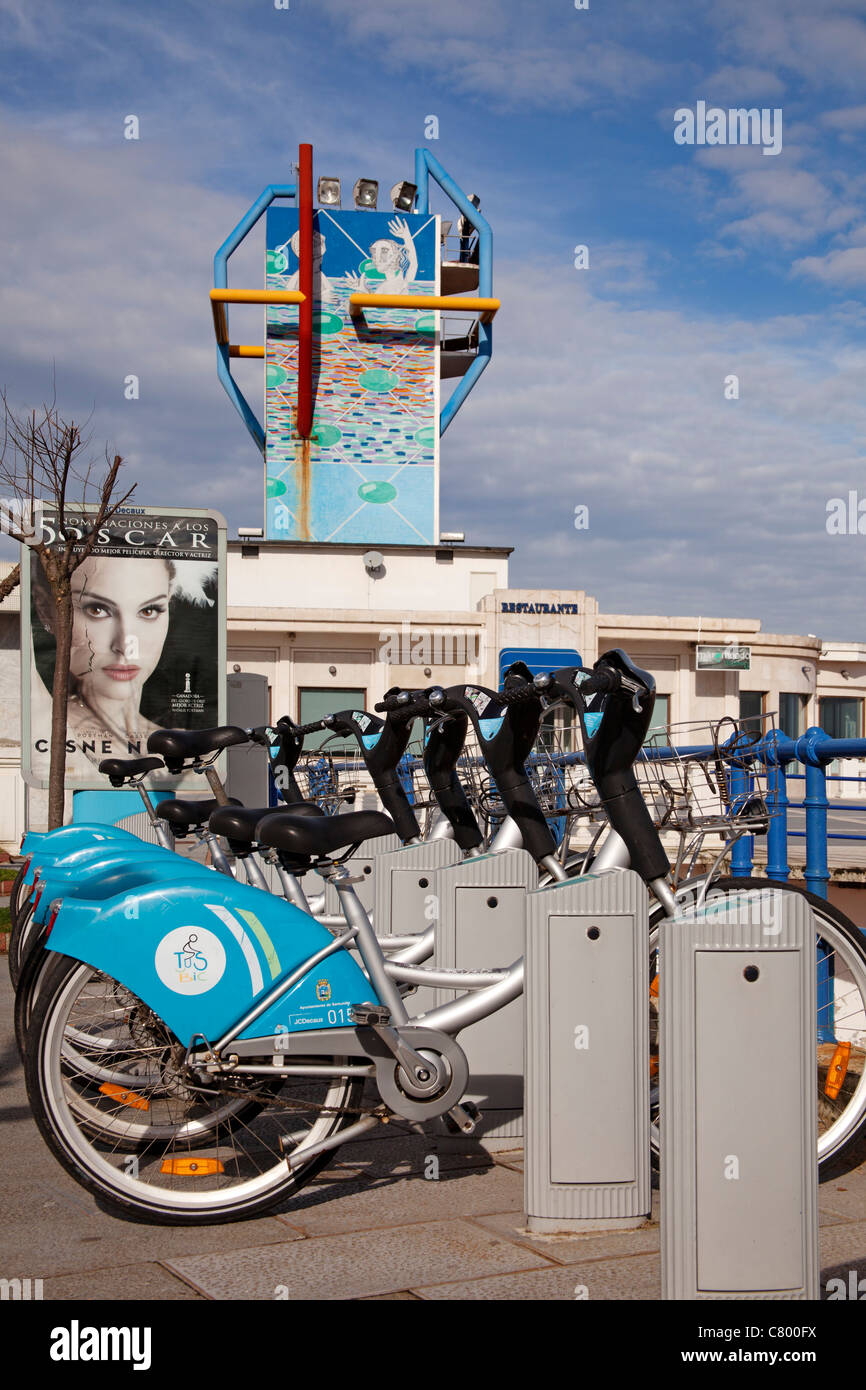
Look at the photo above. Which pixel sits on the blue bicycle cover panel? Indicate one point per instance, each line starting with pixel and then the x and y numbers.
pixel 201 954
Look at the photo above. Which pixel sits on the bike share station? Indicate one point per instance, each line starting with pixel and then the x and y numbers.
pixel 543 971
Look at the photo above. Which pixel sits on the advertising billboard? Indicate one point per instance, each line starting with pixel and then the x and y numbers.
pixel 148 639
pixel 369 472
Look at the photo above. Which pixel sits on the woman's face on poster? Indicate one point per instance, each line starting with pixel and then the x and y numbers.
pixel 120 622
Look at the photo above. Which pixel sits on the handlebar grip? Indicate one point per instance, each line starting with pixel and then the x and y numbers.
pixel 519 696
pixel 604 679
pixel 302 729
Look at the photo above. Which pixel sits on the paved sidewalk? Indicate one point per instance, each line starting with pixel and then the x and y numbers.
pixel 372 1226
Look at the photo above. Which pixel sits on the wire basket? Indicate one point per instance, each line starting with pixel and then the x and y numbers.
pixel 707 776
pixel 334 780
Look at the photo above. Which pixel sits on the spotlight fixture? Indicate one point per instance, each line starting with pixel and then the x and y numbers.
pixel 464 226
pixel 328 193
pixel 403 196
pixel 445 232
pixel 366 193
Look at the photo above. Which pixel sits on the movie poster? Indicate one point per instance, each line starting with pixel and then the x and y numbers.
pixel 148 640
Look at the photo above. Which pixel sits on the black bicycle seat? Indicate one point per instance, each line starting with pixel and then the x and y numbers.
pixel 180 745
pixel 182 815
pixel 120 770
pixel 317 836
pixel 238 823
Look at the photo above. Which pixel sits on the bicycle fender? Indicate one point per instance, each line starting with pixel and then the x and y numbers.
pixel 108 876
pixel 200 955
pixel 81 855
pixel 84 831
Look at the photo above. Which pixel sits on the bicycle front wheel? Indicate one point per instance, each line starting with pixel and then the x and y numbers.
pixel 840 1062
pixel 162 1145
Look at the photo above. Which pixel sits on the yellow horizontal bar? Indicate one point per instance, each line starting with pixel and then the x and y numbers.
pixel 486 307
pixel 220 298
pixel 246 350
pixel 257 297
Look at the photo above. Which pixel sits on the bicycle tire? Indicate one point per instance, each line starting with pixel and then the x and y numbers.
pixel 18 938
pixel 130 1192
pixel 844 1124
pixel 15 892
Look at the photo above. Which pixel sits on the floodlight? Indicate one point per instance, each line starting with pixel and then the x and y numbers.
pixel 366 193
pixel 328 193
pixel 403 196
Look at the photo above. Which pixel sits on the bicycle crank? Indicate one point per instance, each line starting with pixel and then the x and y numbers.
pixel 420 1072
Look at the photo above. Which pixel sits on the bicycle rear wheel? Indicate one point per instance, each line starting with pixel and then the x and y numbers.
pixel 840 1065
pixel 162 1146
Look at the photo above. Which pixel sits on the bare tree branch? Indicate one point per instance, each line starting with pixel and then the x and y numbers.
pixel 12 579
pixel 43 458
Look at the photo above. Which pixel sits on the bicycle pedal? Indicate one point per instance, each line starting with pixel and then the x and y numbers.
pixel 370 1014
pixel 463 1119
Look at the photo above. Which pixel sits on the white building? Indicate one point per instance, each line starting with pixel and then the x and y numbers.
pixel 337 625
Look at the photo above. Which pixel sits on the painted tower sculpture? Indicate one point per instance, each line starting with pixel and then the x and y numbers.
pixel 359 336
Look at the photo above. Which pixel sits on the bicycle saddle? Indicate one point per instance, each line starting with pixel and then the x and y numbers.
pixel 181 815
pixel 120 770
pixel 317 836
pixel 238 823
pixel 178 745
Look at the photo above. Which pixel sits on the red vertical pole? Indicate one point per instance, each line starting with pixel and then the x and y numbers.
pixel 305 284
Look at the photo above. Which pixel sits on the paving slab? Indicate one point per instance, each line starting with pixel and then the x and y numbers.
pixel 123 1284
pixel 635 1277
pixel 388 1153
pixel 574 1249
pixel 359 1265
pixel 843 1245
pixel 399 1202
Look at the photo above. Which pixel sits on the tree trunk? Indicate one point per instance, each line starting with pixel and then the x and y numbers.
pixel 60 694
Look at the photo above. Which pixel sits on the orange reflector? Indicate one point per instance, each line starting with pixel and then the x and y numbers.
pixel 192 1167
pixel 130 1098
pixel 837 1070
pixel 654 987
pixel 654 1067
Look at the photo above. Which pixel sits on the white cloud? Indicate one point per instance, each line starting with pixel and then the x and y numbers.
pixel 843 267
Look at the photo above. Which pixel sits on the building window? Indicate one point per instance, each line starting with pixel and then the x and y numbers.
pixel 315 702
pixel 661 715
pixel 792 714
pixel 752 710
pixel 841 717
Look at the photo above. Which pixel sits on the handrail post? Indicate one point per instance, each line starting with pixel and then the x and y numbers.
pixel 744 848
pixel 817 872
pixel 775 751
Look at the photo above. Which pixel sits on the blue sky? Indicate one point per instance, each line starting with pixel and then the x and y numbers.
pixel 607 385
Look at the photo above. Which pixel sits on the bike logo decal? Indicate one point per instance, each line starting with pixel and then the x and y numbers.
pixel 323 990
pixel 370 740
pixel 361 719
pixel 592 722
pixel 190 960
pixel 256 978
pixel 490 727
pixel 477 698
